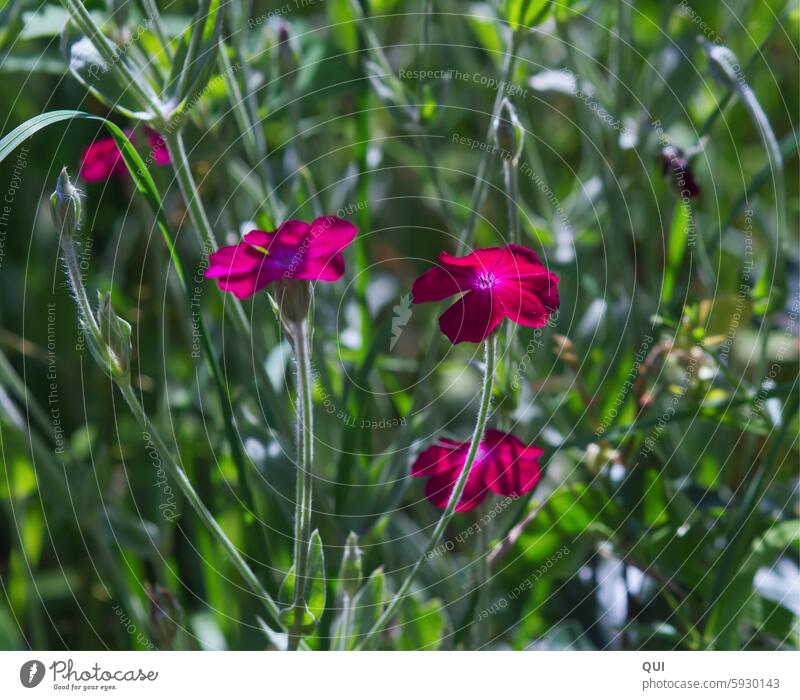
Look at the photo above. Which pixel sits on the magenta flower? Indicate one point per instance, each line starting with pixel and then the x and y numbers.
pixel 503 465
pixel 296 251
pixel 158 147
pixel 102 159
pixel 494 283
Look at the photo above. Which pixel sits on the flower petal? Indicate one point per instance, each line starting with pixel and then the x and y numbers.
pixel 324 269
pixel 529 301
pixel 291 233
pixel 329 235
pixel 444 457
pixel 439 283
pixel 440 487
pixel 101 160
pixel 243 286
pixel 158 147
pixel 233 260
pixel 478 261
pixel 472 318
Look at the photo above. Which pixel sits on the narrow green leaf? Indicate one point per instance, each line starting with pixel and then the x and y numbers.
pixel 315 580
pixel 369 603
pixel 676 247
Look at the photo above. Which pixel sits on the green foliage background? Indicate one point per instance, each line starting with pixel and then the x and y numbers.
pixel 668 514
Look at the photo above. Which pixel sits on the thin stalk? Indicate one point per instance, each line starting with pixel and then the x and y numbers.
pixel 511 180
pixel 483 572
pixel 185 485
pixel 172 466
pixel 249 129
pixel 458 490
pixel 188 187
pixel 194 45
pixel 487 157
pixel 86 314
pixel 10 378
pixel 110 54
pixel 199 218
pixel 305 453
pixel 154 15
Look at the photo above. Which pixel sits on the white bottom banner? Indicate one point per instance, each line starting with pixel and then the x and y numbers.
pixel 389 675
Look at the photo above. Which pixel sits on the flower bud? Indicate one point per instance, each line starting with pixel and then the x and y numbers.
pixel 351 571
pixel 115 334
pixel 66 201
pixel 508 132
pixel 287 57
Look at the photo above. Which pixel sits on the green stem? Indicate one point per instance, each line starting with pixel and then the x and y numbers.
pixel 199 218
pixel 188 187
pixel 177 473
pixel 110 54
pixel 511 179
pixel 154 15
pixel 86 314
pixel 194 44
pixel 487 157
pixel 455 497
pixel 305 450
pixel 172 466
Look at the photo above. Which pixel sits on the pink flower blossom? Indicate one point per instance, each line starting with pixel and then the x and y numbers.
pixel 103 159
pixel 296 251
pixel 158 147
pixel 494 283
pixel 503 465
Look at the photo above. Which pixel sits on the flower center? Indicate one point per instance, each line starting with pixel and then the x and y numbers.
pixel 487 280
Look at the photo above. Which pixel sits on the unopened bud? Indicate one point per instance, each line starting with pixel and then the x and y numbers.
pixel 115 334
pixel 287 57
pixel 508 132
pixel 66 201
pixel 351 572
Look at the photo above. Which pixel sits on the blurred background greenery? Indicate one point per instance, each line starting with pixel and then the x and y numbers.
pixel 664 394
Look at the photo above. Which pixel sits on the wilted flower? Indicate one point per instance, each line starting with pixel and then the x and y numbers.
pixel 296 251
pixel 675 162
pixel 503 465
pixel 495 283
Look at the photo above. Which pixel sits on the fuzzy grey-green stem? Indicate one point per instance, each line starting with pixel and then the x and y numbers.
pixel 479 188
pixel 458 490
pixel 305 459
pixel 194 44
pixel 108 52
pixel 155 17
pixel 511 179
pixel 191 197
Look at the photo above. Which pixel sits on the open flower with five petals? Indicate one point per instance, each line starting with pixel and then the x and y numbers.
pixel 493 284
pixel 296 251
